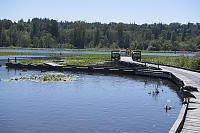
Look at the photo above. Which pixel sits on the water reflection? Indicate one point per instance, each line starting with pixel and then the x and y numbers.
pixel 94 103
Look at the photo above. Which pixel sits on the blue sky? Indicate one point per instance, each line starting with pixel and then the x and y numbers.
pixel 105 11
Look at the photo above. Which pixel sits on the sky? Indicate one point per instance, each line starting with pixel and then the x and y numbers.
pixel 104 11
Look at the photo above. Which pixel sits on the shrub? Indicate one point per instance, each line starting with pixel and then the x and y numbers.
pixel 195 62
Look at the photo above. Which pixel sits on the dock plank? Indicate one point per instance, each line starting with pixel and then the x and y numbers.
pixel 52 64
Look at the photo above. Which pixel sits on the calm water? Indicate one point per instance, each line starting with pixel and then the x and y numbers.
pixel 84 52
pixel 94 103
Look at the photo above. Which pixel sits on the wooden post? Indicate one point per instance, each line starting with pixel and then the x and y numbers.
pixel 15 59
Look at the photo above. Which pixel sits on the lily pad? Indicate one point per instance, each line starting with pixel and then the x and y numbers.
pixel 47 77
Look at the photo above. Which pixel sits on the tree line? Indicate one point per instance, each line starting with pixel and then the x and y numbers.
pixel 49 33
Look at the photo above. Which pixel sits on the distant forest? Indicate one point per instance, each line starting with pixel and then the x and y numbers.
pixel 49 33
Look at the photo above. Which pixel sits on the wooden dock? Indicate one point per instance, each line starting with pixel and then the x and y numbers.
pixel 190 78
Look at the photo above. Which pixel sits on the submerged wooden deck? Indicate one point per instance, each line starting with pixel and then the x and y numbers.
pixel 190 78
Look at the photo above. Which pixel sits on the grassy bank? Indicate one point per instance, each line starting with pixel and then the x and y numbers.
pixel 68 59
pixel 172 52
pixel 85 59
pixel 191 62
pixel 71 59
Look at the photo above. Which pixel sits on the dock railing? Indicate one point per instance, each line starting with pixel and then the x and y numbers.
pixel 115 55
pixel 135 54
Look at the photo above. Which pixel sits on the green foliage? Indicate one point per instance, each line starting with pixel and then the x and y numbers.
pixel 46 33
pixel 85 59
pixel 70 59
pixel 192 62
pixel 195 62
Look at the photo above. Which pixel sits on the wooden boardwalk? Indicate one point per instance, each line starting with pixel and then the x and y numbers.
pixel 190 78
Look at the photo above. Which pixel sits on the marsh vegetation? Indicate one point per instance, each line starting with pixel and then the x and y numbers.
pixel 192 62
pixel 46 77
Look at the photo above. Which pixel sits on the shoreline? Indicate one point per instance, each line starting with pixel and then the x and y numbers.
pixel 98 50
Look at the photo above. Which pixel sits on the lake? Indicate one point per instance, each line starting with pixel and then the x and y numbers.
pixel 92 103
pixel 84 52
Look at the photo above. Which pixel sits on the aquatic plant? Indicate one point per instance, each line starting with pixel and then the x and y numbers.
pixel 46 77
pixel 71 59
